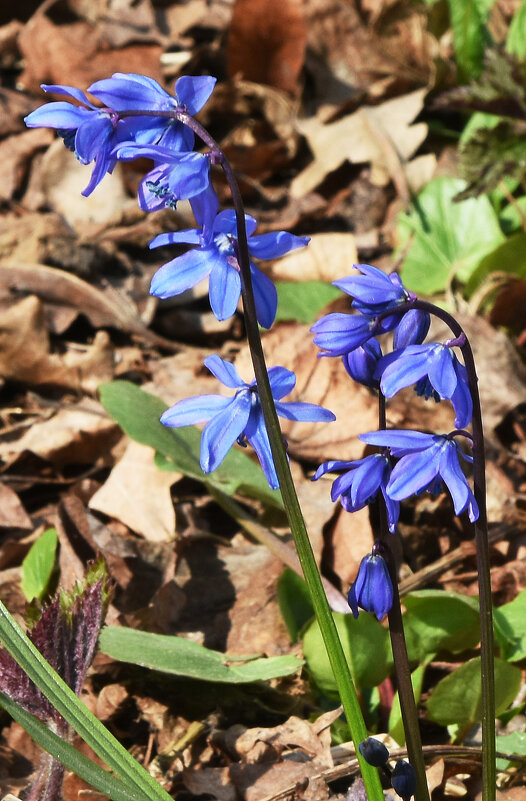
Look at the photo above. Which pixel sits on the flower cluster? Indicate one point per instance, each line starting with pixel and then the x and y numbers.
pixel 136 117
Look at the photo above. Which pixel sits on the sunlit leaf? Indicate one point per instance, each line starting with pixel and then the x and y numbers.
pixel 38 564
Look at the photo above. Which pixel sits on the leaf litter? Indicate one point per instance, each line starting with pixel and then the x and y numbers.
pixel 330 133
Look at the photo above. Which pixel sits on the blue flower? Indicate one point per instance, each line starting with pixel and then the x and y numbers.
pixel 92 132
pixel 374 752
pixel 373 590
pixel 403 780
pixel 362 362
pixel 360 484
pixel 216 258
pixel 240 417
pixel 434 362
pixel 339 334
pixel 425 461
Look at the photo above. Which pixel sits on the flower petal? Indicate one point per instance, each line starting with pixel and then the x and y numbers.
pixel 457 482
pixel 182 273
pixel 282 381
pixel 194 91
pixel 224 371
pixel 441 370
pixel 224 288
pixel 265 297
pixel 413 473
pixel 190 236
pixel 398 441
pixel 403 369
pixel 340 333
pixel 189 411
pixel 256 432
pixel 275 244
pixel 58 115
pixel 93 138
pixel 223 430
pixel 304 412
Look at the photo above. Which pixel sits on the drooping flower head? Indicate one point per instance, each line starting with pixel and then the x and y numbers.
pixel 240 418
pixel 93 132
pixel 373 590
pixel 360 484
pixel 403 780
pixel 374 752
pixel 216 258
pixel 425 461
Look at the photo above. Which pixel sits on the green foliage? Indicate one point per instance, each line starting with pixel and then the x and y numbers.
pixel 138 413
pixel 396 725
pixel 470 34
pixel 303 301
pixel 38 565
pixel 445 239
pixel 510 628
pixel 366 647
pixel 440 621
pixel 491 154
pixel 514 743
pixel 294 603
pixel 516 41
pixel 457 699
pixel 508 257
pixel 181 657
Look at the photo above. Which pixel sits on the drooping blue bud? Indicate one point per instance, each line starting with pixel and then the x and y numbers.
pixel 412 329
pixel 361 363
pixel 374 752
pixel 403 780
pixel 372 591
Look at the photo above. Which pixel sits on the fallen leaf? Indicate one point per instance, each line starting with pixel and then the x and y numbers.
pixel 326 258
pixel 382 135
pixel 138 494
pixel 12 513
pixel 266 42
pixel 15 153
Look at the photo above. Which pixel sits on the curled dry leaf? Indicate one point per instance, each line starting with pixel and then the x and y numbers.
pixel 12 513
pixel 138 494
pixel 15 153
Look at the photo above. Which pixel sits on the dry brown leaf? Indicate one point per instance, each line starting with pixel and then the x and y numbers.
pixel 382 135
pixel 266 42
pixel 138 494
pixel 25 352
pixel 15 153
pixel 327 258
pixel 76 434
pixel 352 537
pixel 12 513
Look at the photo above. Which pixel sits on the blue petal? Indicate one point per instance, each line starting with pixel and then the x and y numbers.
pixel 189 176
pixel 282 381
pixel 412 329
pixel 371 288
pixel 413 473
pixel 224 371
pixel 93 138
pixel 189 411
pixel 274 245
pixel 182 273
pixel 456 482
pixel 362 362
pixel 441 371
pixel 304 412
pixel 399 442
pixel 403 368
pixel 205 206
pixel 265 297
pixel 329 467
pixel 129 92
pixel 194 91
pixel 223 430
pixel 225 223
pixel 224 288
pixel 368 478
pixel 190 236
pixel 461 398
pixel 58 115
pixel 393 511
pixel 67 91
pixel 102 166
pixel 256 433
pixel 341 333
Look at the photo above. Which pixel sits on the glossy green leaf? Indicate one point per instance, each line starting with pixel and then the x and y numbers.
pixel 294 602
pixel 510 628
pixel 182 657
pixel 303 301
pixel 74 760
pixel 514 743
pixel 138 413
pixel 38 564
pixel 509 257
pixel 440 621
pixel 445 239
pixel 468 20
pixel 366 647
pixel 457 699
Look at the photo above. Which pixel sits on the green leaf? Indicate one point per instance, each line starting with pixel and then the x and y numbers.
pixel 458 698
pixel 514 743
pixel 510 628
pixel 440 621
pixel 303 301
pixel 294 602
pixel 75 712
pixel 74 760
pixel 516 41
pixel 491 154
pixel 38 564
pixel 509 257
pixel 366 647
pixel 448 239
pixel 468 20
pixel 137 412
pixel 396 725
pixel 182 657
pixel 513 215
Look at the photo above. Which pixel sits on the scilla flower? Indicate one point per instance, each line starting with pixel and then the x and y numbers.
pixel 360 484
pixel 216 258
pixel 425 461
pixel 436 363
pixel 374 752
pixel 373 590
pixel 240 418
pixel 403 780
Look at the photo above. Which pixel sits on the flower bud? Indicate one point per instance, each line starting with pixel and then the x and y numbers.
pixel 374 752
pixel 361 363
pixel 403 780
pixel 372 591
pixel 412 329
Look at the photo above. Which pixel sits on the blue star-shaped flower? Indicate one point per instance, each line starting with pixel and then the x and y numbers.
pixel 361 483
pixel 436 363
pixel 425 461
pixel 216 258
pixel 240 418
pixel 373 590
